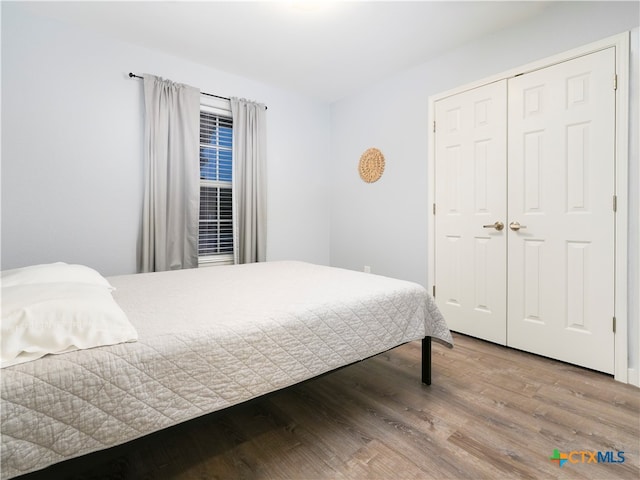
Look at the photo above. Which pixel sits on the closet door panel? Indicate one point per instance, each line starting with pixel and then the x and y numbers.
pixel 561 163
pixel 470 169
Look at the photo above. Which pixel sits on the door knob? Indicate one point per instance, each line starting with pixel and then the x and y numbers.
pixel 498 226
pixel 515 226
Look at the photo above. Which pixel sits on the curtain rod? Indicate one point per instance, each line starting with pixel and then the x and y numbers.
pixel 133 75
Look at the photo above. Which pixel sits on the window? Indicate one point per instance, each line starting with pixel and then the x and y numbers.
pixel 215 234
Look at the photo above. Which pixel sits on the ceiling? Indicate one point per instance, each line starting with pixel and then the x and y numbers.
pixel 324 49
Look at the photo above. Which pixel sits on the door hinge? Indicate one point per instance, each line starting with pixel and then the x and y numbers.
pixel 434 126
pixel 615 82
pixel 614 324
pixel 615 203
pixel 434 208
pixel 434 292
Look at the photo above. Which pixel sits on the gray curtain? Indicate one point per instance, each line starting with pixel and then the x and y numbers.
pixel 249 181
pixel 172 176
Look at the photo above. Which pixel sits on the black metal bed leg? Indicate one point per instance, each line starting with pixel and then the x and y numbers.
pixel 426 360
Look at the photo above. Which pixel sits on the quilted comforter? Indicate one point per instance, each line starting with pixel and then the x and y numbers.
pixel 208 339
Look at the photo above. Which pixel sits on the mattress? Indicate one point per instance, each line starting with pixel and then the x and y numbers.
pixel 209 338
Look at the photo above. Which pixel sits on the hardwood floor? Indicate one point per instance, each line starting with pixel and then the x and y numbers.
pixel 491 413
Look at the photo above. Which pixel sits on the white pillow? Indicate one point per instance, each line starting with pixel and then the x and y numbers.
pixel 53 273
pixel 39 319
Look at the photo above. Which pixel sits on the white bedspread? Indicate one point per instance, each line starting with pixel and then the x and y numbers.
pixel 208 338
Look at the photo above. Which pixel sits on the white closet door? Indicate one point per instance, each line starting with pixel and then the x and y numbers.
pixel 561 187
pixel 470 194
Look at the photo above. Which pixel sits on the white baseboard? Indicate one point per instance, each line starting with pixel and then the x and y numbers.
pixel 633 377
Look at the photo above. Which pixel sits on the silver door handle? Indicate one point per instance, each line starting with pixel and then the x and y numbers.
pixel 498 226
pixel 515 226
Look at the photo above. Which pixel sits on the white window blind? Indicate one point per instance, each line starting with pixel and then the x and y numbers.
pixel 215 237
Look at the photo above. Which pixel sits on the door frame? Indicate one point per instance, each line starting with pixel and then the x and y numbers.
pixel 622 45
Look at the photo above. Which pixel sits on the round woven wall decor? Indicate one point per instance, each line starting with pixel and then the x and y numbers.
pixel 371 165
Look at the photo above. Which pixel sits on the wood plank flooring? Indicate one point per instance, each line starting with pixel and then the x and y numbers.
pixel 491 413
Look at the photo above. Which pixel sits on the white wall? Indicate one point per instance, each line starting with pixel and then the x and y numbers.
pixel 72 148
pixel 384 224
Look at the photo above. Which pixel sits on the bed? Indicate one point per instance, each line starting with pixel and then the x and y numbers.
pixel 207 339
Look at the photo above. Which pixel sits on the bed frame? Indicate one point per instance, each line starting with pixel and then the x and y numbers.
pixel 426 360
